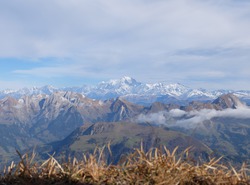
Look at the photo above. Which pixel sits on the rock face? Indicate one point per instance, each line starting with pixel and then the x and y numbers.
pixel 228 101
pixel 122 110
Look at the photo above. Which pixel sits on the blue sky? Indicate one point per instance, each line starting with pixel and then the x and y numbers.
pixel 199 43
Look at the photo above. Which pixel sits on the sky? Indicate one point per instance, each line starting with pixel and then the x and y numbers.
pixel 198 43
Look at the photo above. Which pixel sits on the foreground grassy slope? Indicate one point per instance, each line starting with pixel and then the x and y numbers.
pixel 157 166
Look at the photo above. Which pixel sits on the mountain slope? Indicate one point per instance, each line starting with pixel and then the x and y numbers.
pixel 124 137
pixel 228 137
pixel 39 119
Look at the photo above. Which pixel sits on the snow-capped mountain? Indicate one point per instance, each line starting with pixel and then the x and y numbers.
pixel 132 90
pixel 114 88
pixel 48 89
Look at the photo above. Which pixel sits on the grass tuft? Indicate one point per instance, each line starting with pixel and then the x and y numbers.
pixel 156 166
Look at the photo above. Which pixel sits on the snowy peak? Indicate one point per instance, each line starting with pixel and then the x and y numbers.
pixel 118 87
pixel 177 89
pixel 132 90
pixel 48 89
pixel 124 82
pixel 129 81
pixel 159 89
pixel 201 93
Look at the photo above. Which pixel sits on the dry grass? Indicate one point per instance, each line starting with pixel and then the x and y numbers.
pixel 153 167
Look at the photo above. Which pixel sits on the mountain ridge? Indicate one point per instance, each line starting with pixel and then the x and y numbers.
pixel 134 91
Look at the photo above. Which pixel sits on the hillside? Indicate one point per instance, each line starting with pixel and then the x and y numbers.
pixel 123 138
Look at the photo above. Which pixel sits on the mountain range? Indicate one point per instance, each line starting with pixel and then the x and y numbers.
pixel 125 112
pixel 69 123
pixel 134 91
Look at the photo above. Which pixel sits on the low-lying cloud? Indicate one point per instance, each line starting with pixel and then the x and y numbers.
pixel 192 119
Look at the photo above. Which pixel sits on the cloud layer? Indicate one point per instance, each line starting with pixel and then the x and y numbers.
pixel 194 42
pixel 192 119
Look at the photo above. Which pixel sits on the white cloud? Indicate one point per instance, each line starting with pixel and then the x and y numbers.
pixel 193 119
pixel 158 118
pixel 68 28
pixel 197 117
pixel 183 40
pixel 176 113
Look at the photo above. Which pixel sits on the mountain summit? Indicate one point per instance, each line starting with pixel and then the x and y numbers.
pixel 126 80
pixel 229 101
pixel 121 86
